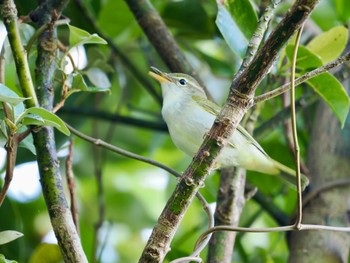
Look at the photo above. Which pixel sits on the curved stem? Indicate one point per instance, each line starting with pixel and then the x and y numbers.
pixel 303 78
pixel 294 130
pixel 9 13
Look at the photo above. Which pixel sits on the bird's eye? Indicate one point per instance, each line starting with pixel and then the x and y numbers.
pixel 182 81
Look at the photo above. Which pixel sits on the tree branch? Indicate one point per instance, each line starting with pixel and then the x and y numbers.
pixel 115 118
pixel 161 38
pixel 231 199
pixel 239 100
pixel 230 202
pixel 9 14
pixel 303 78
pixel 61 218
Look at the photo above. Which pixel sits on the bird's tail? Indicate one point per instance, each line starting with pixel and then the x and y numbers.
pixel 289 175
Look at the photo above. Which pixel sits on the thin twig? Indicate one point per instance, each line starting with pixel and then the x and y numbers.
pixel 302 227
pixel 258 34
pixel 12 143
pixel 123 152
pixel 120 151
pixel 288 129
pixel 11 149
pixel 115 118
pixel 325 187
pixel 239 100
pixel 231 200
pixel 294 130
pixel 71 185
pixel 186 259
pixel 303 78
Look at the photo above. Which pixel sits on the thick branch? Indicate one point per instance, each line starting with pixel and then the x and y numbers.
pixel 328 161
pixel 137 73
pixel 9 14
pixel 240 99
pixel 44 140
pixel 160 37
pixel 230 203
pixel 231 198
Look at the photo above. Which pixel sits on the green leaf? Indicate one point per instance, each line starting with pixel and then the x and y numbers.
pixel 8 236
pixel 189 18
pixel 32 119
pixel 333 93
pixel 4 260
pixel 244 14
pixel 98 78
pixel 49 119
pixel 343 10
pixel 231 32
pixel 78 37
pixel 28 144
pixel 77 83
pixel 326 85
pixel 305 58
pixel 122 27
pixel 329 45
pixel 50 252
pixel 9 96
pixel 325 15
pixel 26 31
pixel 4 128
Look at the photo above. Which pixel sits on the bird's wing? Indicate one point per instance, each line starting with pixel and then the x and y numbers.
pixel 207 105
pixel 214 109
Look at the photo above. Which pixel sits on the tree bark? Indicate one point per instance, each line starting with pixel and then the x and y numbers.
pixel 230 202
pixel 328 161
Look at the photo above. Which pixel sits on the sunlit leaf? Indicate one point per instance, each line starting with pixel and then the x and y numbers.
pixel 326 85
pixel 343 10
pixel 33 119
pixel 7 95
pixel 231 32
pixel 79 36
pixel 49 118
pixel 329 45
pixel 305 58
pixel 8 236
pixel 333 93
pixel 50 252
pixel 244 15
pixel 4 260
pixel 325 15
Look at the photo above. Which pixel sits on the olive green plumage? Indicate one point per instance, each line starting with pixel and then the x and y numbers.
pixel 190 115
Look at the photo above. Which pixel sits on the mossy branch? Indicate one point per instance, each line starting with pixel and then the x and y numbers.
pixel 9 15
pixel 239 100
pixel 44 141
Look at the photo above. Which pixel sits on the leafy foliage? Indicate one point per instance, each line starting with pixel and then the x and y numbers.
pixel 130 195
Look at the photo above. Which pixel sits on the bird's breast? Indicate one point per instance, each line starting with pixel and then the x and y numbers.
pixel 187 123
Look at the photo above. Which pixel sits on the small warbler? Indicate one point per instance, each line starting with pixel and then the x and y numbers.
pixel 189 116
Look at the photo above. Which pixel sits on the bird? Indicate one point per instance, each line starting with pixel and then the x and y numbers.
pixel 189 115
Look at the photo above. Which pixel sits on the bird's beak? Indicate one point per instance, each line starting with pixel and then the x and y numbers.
pixel 159 75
